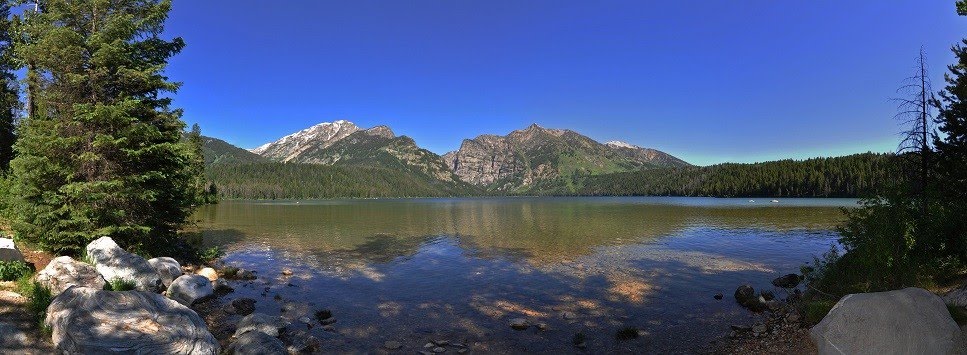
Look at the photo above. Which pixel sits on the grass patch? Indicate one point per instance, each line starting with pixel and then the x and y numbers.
pixel 813 311
pixel 118 284
pixel 38 299
pixel 14 270
pixel 210 254
pixel 958 313
pixel 626 333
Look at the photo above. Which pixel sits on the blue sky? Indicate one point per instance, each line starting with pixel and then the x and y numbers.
pixel 708 81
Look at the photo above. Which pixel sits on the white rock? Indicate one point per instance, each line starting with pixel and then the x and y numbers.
pixel 64 272
pixel 908 321
pixel 89 321
pixel 168 268
pixel 116 263
pixel 189 289
pixel 9 251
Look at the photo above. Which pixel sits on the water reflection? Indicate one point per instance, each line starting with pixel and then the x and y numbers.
pixel 414 270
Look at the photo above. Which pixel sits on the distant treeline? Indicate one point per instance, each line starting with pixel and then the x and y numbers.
pixel 266 180
pixel 847 176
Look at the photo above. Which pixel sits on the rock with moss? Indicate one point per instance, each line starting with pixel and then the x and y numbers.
pixel 907 321
pixel 85 320
pixel 113 262
pixel 64 272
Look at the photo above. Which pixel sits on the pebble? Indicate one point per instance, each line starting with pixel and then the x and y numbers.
pixel 441 342
pixel 392 345
pixel 328 321
pixel 439 349
pixel 569 315
pixel 719 296
pixel 329 328
pixel 428 345
pixel 287 272
pixel 519 323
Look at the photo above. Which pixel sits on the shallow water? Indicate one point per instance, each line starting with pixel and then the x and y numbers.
pixel 415 270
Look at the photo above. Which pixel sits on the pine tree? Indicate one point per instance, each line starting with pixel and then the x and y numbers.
pixel 951 120
pixel 101 151
pixel 197 165
pixel 9 101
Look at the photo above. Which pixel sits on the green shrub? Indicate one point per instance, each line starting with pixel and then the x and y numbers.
pixel 210 254
pixel 38 299
pixel 815 310
pixel 118 284
pixel 14 270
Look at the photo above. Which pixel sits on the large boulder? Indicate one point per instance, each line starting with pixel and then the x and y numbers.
pixel 189 289
pixel 64 272
pixel 116 263
pixel 9 251
pixel 908 321
pixel 168 268
pixel 90 321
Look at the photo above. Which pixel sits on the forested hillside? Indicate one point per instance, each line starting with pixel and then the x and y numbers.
pixel 272 180
pixel 848 176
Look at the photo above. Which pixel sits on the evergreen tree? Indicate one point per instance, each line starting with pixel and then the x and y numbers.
pixel 101 151
pixel 197 165
pixel 9 101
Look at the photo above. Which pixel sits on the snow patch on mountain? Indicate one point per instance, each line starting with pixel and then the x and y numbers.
pixel 620 144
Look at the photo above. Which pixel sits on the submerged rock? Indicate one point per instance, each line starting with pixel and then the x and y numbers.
pixel 241 306
pixel 168 268
pixel 64 272
pixel 519 323
pixel 907 321
pixel 256 343
pixel 787 281
pixel 392 345
pixel 116 263
pixel 190 289
pixel 260 322
pixel 84 320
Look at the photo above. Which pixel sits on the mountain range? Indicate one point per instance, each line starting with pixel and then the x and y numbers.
pixel 534 159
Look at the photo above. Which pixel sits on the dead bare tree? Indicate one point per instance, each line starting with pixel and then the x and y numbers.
pixel 914 112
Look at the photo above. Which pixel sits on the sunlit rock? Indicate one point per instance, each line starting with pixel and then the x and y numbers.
pixel 190 289
pixel 84 320
pixel 116 263
pixel 64 272
pixel 168 268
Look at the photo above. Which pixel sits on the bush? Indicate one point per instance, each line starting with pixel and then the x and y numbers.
pixel 211 254
pixel 14 270
pixel 815 310
pixel 38 299
pixel 118 284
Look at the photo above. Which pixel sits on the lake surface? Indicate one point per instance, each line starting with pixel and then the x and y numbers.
pixel 415 270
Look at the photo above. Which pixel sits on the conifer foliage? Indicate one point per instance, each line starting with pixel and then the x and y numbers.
pixel 102 150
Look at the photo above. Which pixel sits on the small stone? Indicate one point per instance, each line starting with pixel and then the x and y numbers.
pixel 787 281
pixel 541 326
pixel 463 351
pixel 328 321
pixel 719 296
pixel 439 349
pixel 429 345
pixel 441 342
pixel 519 323
pixel 792 318
pixel 759 328
pixel 392 345
pixel 287 272
pixel 768 295
pixel 741 328
pixel 569 315
pixel 424 352
pixel 329 328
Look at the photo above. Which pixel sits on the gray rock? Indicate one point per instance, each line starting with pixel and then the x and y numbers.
pixel 190 289
pixel 9 251
pixel 908 321
pixel 260 322
pixel 116 263
pixel 759 328
pixel 168 268
pixel 519 323
pixel 439 349
pixel 392 345
pixel 92 321
pixel 222 287
pixel 957 297
pixel 746 297
pixel 301 342
pixel 64 272
pixel 256 343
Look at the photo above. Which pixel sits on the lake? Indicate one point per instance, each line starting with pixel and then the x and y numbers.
pixel 416 270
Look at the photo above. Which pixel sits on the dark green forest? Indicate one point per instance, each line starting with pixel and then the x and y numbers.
pixel 848 176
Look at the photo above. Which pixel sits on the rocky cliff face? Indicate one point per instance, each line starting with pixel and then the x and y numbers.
pixel 542 158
